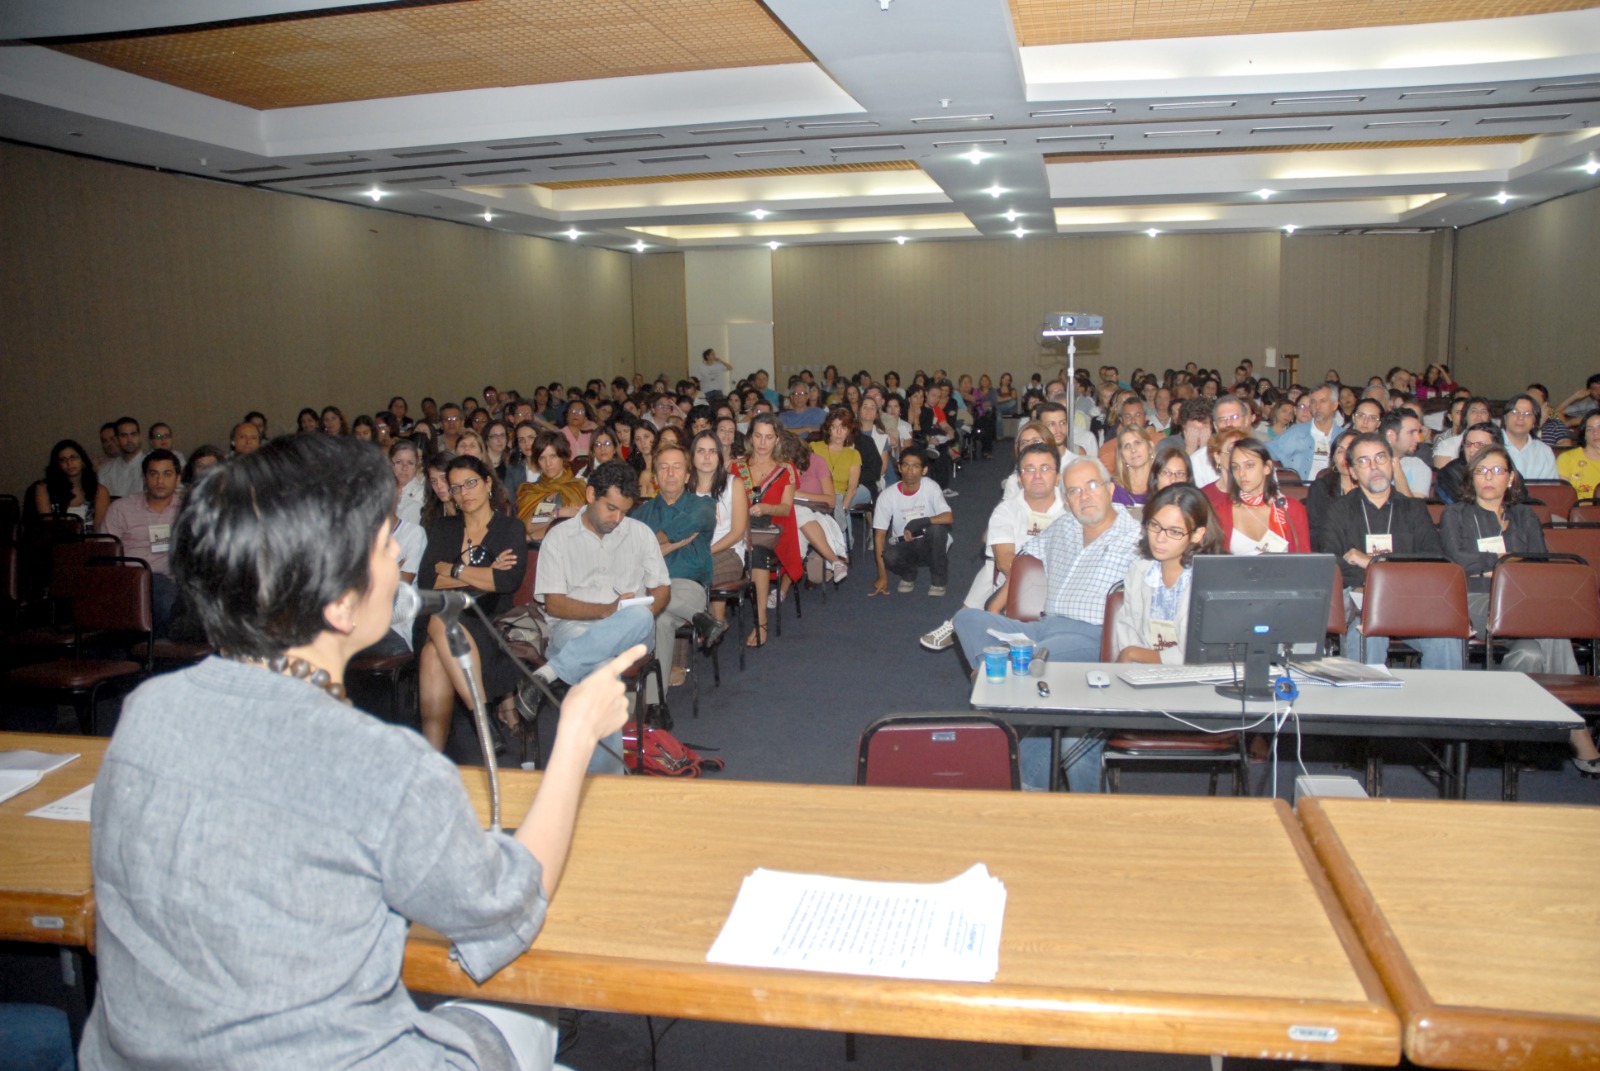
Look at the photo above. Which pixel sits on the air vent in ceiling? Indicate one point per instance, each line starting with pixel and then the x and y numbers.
pixel 954 119
pixel 421 154
pixel 1445 94
pixel 755 128
pixel 580 167
pixel 253 170
pixel 1565 87
pixel 839 150
pixel 770 152
pixel 1058 113
pixel 1181 105
pixel 1075 137
pixel 500 171
pixel 409 181
pixel 969 141
pixel 1181 133
pixel 836 124
pixel 340 162
pixel 523 145
pixel 1319 100
pixel 1395 124
pixel 605 139
pixel 673 159
pixel 1293 128
pixel 1546 118
pixel 336 186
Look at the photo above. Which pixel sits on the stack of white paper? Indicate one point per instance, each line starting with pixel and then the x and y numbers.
pixel 73 807
pixel 21 770
pixel 948 931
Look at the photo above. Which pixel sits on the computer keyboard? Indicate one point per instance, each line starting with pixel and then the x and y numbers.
pixel 1144 676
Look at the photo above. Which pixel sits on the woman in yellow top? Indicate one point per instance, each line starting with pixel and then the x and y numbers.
pixel 1581 467
pixel 835 444
pixel 555 494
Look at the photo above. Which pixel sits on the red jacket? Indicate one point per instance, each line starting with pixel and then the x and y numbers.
pixel 1299 524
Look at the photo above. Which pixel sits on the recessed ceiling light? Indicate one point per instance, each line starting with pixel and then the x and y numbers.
pixel 976 156
pixel 773 245
pixel 994 191
pixel 1289 228
pixel 639 246
pixel 572 233
pixel 760 213
pixel 1019 232
pixel 374 193
pixel 1265 193
pixel 900 238
pixel 1593 166
pixel 488 216
pixel 1502 197
pixel 1152 232
pixel 1011 215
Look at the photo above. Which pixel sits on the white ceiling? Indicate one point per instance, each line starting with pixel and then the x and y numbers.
pixel 1200 129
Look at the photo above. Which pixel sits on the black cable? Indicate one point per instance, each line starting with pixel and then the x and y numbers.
pixel 535 681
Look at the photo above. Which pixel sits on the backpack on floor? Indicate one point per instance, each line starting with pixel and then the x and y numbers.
pixel 664 755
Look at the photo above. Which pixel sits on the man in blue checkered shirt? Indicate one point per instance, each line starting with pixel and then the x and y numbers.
pixel 1085 553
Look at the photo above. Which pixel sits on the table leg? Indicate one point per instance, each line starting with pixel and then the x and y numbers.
pixel 1055 760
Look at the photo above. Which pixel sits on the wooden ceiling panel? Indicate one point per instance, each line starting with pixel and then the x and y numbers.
pixel 1071 22
pixel 443 47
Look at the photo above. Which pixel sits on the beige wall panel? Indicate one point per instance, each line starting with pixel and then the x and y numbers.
pixel 188 301
pixel 1358 303
pixel 1525 299
pixel 977 306
pixel 660 329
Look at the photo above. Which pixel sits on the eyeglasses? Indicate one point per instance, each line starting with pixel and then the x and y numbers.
pixel 465 485
pixel 1370 460
pixel 1175 474
pixel 1491 470
pixel 1092 486
pixel 1162 530
pixel 160 435
pixel 452 419
pixel 1039 470
pixel 1529 413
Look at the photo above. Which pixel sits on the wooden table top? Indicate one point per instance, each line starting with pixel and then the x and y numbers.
pixel 46 884
pixel 1482 918
pixel 1141 923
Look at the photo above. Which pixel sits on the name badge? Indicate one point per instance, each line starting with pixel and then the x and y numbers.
pixel 1380 543
pixel 1273 543
pixel 1321 449
pixel 1163 635
pixel 160 538
pixel 1492 544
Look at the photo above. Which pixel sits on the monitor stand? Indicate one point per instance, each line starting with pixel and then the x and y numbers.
pixel 1257 683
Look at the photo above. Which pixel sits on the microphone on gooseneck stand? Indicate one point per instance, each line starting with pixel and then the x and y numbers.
pixel 410 603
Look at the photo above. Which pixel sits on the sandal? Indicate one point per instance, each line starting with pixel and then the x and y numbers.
pixel 757 637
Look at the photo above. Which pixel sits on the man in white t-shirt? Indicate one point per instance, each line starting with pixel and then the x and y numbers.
pixel 1014 521
pixel 714 373
pixel 123 475
pixel 912 523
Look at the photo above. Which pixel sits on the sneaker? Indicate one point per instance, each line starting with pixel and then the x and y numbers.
pixel 1587 767
pixel 906 587
pixel 772 597
pixel 952 493
pixel 936 590
pixel 838 570
pixel 940 638
pixel 708 630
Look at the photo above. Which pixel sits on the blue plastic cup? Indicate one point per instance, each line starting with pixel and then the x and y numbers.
pixel 1021 658
pixel 994 662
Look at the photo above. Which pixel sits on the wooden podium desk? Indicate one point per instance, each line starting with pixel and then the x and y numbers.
pixel 46 885
pixel 1482 918
pixel 1153 924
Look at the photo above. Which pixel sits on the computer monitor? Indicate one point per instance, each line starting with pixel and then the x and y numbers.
pixel 1248 608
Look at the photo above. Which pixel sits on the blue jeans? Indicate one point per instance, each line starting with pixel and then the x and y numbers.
pixel 35 1038
pixel 578 648
pixel 1083 773
pixel 1068 640
pixel 1438 652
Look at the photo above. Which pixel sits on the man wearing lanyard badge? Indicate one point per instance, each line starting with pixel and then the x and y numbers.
pixel 1372 520
pixel 144 525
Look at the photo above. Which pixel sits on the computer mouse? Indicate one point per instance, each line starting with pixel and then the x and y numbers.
pixel 1044 690
pixel 1096 679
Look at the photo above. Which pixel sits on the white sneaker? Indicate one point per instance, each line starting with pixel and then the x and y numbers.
pixel 936 590
pixel 940 638
pixel 906 587
pixel 952 493
pixel 772 597
pixel 838 570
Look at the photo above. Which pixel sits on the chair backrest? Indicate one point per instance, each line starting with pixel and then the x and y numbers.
pixel 1286 476
pixel 1026 589
pixel 10 587
pixel 1585 512
pixel 10 517
pixel 1337 623
pixel 1296 491
pixel 116 598
pixel 939 751
pixel 1539 599
pixel 1406 598
pixel 1541 511
pixel 1582 540
pixel 1114 599
pixel 69 563
pixel 1436 511
pixel 1559 495
pixel 529 575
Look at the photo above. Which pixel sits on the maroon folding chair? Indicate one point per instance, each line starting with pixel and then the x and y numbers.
pixel 939 751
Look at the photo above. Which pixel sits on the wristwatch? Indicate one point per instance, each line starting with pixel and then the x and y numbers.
pixel 455 571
